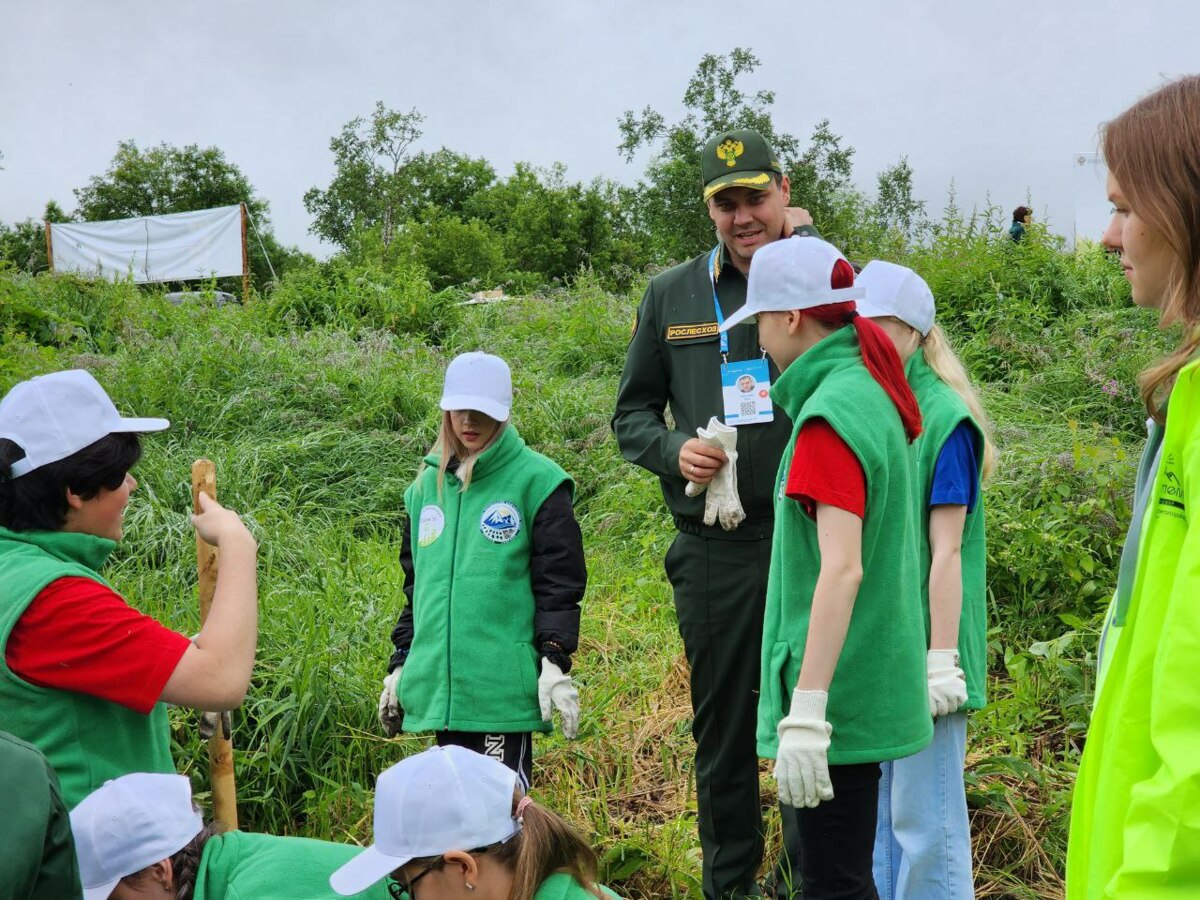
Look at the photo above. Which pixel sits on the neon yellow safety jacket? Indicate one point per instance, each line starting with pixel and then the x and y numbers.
pixel 1135 819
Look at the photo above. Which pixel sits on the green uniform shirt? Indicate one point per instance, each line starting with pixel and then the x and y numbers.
pixel 37 854
pixel 1135 825
pixel 562 886
pixel 87 740
pixel 472 666
pixel 942 411
pixel 877 705
pixel 238 865
pixel 674 361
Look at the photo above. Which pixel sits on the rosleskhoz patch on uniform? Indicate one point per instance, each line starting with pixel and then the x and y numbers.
pixel 500 523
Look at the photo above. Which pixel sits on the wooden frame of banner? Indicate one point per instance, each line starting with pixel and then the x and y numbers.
pixel 245 260
pixel 220 745
pixel 49 246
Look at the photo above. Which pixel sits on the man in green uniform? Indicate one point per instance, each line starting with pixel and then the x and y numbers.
pixel 677 360
pixel 37 854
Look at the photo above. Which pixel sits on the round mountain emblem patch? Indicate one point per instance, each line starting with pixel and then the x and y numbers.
pixel 500 522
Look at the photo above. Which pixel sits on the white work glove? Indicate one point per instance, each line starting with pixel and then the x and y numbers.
pixel 802 763
pixel 947 682
pixel 391 716
pixel 556 690
pixel 722 503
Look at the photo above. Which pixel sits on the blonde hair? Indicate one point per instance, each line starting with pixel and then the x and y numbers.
pixel 546 844
pixel 946 365
pixel 448 446
pixel 1153 151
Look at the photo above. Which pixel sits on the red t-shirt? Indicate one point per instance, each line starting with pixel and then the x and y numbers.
pixel 825 470
pixel 78 635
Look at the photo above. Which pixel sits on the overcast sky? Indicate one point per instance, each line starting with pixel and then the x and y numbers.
pixel 998 96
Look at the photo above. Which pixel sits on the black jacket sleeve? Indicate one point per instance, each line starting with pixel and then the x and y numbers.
pixel 402 634
pixel 558 576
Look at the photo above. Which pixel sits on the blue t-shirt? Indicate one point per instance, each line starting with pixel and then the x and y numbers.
pixel 956 475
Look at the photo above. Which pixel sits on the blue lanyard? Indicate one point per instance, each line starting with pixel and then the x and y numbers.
pixel 712 277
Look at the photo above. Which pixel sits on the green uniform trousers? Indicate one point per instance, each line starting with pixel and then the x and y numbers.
pixel 720 591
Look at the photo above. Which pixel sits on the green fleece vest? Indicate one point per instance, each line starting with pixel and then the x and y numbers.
pixel 561 886
pixel 942 411
pixel 87 740
pixel 242 866
pixel 473 666
pixel 877 701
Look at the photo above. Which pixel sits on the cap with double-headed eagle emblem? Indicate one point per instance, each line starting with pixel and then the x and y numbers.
pixel 738 158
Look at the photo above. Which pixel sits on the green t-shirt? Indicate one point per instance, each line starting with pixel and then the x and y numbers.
pixel 239 865
pixel 877 705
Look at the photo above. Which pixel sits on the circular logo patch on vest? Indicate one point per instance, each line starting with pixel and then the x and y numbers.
pixel 500 523
pixel 431 525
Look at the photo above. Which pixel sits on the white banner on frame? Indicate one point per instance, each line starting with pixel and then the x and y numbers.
pixel 206 243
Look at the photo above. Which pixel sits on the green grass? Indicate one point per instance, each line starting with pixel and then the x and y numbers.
pixel 317 412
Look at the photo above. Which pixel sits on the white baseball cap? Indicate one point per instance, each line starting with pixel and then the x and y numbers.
pixel 53 416
pixel 128 824
pixel 446 798
pixel 793 273
pixel 478 381
pixel 898 291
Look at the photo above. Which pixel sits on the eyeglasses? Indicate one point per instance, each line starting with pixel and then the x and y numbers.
pixel 401 890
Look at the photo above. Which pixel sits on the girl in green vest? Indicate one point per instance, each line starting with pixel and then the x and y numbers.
pixel 843 655
pixel 84 677
pixel 140 836
pixel 452 823
pixel 1135 830
pixel 923 837
pixel 494 574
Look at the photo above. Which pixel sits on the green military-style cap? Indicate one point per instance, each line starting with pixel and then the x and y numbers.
pixel 738 158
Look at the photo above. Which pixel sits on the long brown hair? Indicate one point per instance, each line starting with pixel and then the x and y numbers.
pixel 1153 151
pixel 185 865
pixel 546 844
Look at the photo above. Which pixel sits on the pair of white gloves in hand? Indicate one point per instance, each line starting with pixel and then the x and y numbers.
pixel 947 683
pixel 802 761
pixel 555 691
pixel 722 503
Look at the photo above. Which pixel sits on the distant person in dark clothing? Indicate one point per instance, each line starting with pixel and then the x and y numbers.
pixel 1022 216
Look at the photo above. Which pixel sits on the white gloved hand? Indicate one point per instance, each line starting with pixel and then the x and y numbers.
pixel 802 762
pixel 722 503
pixel 946 681
pixel 391 716
pixel 556 690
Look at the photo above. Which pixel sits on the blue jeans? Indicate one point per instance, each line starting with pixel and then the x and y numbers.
pixel 922 838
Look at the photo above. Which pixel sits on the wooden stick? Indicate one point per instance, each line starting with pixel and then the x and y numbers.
pixel 49 248
pixel 245 261
pixel 220 745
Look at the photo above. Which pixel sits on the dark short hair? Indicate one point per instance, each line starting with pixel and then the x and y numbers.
pixel 1021 212
pixel 37 501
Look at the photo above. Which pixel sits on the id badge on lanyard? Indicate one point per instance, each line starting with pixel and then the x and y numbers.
pixel 746 385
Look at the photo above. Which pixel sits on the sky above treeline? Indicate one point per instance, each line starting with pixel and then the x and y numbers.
pixel 997 96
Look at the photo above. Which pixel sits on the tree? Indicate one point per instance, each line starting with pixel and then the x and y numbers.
pixel 896 209
pixel 367 189
pixel 167 179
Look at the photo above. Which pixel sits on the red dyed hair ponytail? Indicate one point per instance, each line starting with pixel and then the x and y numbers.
pixel 878 352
